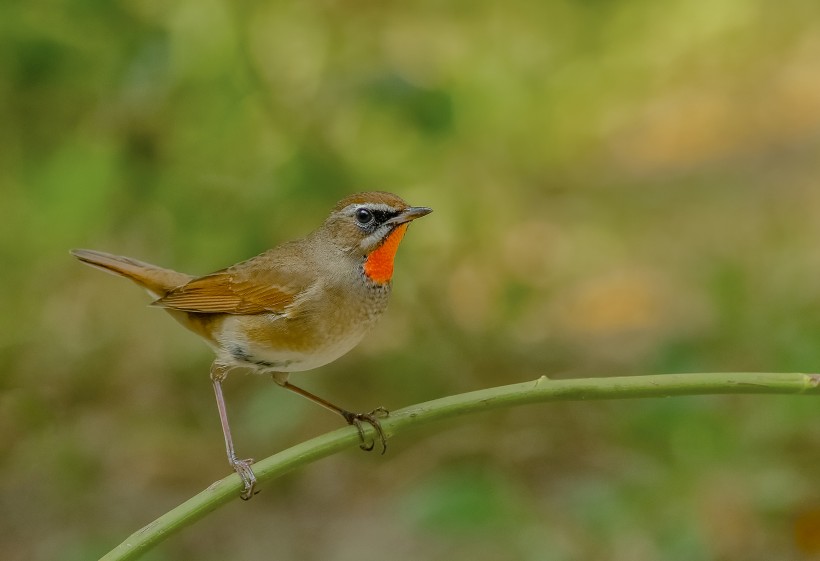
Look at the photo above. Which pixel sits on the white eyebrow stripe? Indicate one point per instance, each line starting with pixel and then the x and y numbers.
pixel 372 206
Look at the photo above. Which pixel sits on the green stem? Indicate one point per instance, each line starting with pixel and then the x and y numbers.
pixel 540 390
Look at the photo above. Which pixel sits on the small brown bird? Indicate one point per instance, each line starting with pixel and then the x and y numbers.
pixel 292 308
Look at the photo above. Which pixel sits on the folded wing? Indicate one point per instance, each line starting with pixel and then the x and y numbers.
pixel 227 292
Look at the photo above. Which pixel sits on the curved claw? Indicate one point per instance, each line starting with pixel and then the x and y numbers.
pixel 371 419
pixel 243 469
pixel 380 412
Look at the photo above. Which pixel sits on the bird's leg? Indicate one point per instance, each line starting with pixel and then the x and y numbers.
pixel 351 418
pixel 242 467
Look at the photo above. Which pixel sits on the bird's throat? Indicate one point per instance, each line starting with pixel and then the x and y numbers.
pixel 379 263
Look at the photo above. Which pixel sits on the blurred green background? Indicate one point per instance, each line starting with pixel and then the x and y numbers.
pixel 620 188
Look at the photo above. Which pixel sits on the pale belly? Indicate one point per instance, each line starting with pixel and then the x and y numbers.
pixel 276 344
pixel 292 360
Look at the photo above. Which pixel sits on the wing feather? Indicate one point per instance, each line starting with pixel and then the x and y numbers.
pixel 227 293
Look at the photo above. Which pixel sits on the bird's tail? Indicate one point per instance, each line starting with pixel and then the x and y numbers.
pixel 155 280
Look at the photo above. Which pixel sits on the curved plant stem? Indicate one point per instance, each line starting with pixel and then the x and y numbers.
pixel 540 390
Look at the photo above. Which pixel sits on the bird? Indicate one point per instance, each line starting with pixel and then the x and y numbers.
pixel 293 308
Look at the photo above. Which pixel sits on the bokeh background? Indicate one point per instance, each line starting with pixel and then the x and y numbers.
pixel 620 188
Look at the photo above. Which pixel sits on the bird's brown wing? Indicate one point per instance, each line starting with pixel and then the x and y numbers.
pixel 232 291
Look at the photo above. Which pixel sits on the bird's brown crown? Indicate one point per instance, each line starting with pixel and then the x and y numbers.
pixel 372 197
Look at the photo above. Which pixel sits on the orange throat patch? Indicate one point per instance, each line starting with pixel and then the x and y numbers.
pixel 379 264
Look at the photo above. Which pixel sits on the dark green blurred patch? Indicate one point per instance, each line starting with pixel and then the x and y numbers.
pixel 686 432
pixel 429 109
pixel 315 172
pixel 462 500
pixel 517 295
pixel 680 357
pixel 629 513
pixel 39 63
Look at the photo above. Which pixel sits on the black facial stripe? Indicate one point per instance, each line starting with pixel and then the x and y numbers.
pixel 383 216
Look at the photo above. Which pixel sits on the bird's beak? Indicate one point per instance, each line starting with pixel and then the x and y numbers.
pixel 410 214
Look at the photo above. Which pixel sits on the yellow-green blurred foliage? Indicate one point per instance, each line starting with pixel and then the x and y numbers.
pixel 620 188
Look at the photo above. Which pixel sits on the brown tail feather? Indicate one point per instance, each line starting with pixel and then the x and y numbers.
pixel 156 280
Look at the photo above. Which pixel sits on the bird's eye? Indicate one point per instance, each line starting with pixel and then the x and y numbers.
pixel 364 216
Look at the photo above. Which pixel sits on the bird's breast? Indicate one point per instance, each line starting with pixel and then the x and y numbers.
pixel 317 332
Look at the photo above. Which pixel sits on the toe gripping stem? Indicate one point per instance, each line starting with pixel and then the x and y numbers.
pixel 244 471
pixel 372 419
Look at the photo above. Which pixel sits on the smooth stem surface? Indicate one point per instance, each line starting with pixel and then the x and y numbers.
pixel 540 390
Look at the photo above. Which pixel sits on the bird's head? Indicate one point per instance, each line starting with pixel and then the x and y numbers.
pixel 370 226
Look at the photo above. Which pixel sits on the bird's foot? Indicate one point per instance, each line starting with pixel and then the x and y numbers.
pixel 372 419
pixel 243 469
